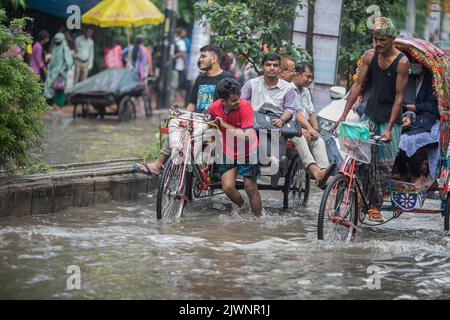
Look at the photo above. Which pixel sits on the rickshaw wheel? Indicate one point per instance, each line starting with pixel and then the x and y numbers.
pixel 447 215
pixel 334 214
pixel 127 109
pixel 172 197
pixel 296 186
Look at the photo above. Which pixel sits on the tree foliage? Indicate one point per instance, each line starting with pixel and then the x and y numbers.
pixel 244 27
pixel 13 4
pixel 356 37
pixel 21 99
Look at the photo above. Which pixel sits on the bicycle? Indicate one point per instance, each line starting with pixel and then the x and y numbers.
pixel 344 204
pixel 180 171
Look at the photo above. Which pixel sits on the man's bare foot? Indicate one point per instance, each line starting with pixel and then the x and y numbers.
pixel 150 168
pixel 420 182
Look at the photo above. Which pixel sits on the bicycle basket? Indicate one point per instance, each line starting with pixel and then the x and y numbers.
pixel 354 138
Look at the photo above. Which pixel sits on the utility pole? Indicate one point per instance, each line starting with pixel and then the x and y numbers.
pixel 410 25
pixel 164 96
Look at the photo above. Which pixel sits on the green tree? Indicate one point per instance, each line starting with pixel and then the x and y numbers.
pixel 13 4
pixel 356 37
pixel 22 102
pixel 244 27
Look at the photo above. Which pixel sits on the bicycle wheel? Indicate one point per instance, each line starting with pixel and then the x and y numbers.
pixel 296 187
pixel 338 213
pixel 172 191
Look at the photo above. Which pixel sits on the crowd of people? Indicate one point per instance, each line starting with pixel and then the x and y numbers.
pixel 67 61
pixel 233 93
pixel 282 90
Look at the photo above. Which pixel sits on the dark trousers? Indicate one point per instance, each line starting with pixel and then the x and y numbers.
pixel 403 163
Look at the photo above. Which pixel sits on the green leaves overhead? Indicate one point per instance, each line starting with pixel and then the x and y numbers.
pixel 243 27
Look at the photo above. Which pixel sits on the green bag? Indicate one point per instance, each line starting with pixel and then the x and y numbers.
pixel 354 130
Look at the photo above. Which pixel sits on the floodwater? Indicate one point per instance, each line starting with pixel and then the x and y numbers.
pixel 87 140
pixel 122 252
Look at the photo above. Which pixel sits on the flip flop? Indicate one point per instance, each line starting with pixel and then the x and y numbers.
pixel 137 168
pixel 374 215
pixel 329 171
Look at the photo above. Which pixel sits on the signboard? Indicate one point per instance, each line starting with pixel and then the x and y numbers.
pixel 325 51
pixel 327 17
pixel 200 38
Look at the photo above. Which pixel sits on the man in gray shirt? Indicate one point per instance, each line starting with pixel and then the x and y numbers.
pixel 269 93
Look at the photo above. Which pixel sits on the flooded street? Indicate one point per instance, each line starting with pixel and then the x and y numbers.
pixel 87 140
pixel 124 253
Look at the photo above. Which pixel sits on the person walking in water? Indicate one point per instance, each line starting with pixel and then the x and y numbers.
pixel 388 68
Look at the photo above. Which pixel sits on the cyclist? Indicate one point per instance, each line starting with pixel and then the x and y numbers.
pixel 388 68
pixel 235 117
pixel 202 95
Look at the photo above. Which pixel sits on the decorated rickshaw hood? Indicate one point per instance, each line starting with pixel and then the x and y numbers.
pixel 435 61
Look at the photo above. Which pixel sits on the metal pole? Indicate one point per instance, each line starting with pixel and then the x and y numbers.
pixel 410 25
pixel 166 65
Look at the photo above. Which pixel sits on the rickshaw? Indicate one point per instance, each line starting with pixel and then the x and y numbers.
pixel 183 179
pixel 344 204
pixel 118 86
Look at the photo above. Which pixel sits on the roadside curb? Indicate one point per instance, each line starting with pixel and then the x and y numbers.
pixel 82 186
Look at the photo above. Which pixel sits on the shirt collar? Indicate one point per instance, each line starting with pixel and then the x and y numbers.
pixel 270 88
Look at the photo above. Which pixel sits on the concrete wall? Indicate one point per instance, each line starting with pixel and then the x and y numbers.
pixel 49 193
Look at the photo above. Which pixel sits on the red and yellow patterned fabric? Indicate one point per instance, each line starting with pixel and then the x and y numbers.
pixel 435 61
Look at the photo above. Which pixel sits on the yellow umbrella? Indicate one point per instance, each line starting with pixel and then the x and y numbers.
pixel 123 13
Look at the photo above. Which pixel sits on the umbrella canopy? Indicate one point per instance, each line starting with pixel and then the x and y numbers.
pixel 123 13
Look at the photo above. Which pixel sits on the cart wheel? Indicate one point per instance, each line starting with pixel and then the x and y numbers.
pixel 446 214
pixel 172 191
pixel 127 109
pixel 296 186
pixel 338 212
pixel 147 106
pixel 85 110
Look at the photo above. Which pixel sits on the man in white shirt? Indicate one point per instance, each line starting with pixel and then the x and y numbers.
pixel 84 57
pixel 310 146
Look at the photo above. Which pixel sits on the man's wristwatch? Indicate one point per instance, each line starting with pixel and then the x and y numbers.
pixel 282 122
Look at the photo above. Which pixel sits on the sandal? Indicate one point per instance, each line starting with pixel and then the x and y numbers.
pixel 137 168
pixel 375 215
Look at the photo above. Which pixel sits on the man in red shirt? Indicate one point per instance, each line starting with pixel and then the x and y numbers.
pixel 239 141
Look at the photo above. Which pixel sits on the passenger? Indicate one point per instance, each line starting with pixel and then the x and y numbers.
pixel 388 68
pixel 310 146
pixel 236 115
pixel 420 130
pixel 203 94
pixel 268 93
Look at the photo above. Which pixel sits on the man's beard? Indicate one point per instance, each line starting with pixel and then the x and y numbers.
pixel 207 67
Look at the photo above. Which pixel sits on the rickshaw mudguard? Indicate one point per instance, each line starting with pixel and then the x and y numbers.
pixel 405 196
